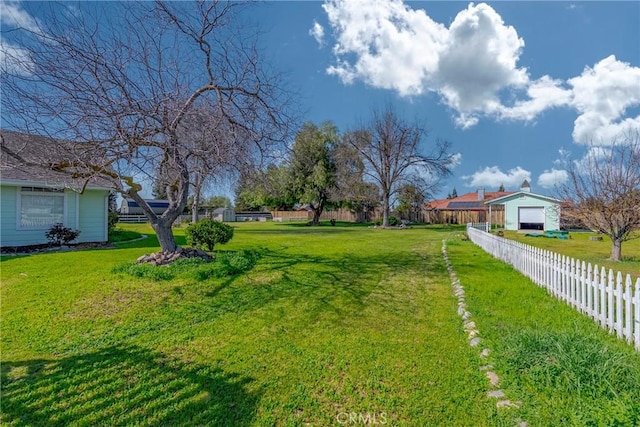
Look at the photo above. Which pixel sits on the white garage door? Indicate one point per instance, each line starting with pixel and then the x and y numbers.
pixel 531 215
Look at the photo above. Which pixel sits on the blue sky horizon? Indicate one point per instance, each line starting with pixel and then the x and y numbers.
pixel 518 88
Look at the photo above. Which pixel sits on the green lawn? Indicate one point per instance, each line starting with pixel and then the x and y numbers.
pixel 565 369
pixel 329 321
pixel 596 252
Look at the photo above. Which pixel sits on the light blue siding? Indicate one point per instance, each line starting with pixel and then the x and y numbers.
pixel 551 211
pixel 85 212
pixel 93 216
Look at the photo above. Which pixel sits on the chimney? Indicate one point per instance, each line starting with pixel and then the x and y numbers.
pixel 481 194
pixel 525 187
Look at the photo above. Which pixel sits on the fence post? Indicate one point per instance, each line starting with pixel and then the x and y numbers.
pixel 619 304
pixel 628 326
pixel 637 315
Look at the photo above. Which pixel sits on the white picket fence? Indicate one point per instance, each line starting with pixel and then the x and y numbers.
pixel 606 297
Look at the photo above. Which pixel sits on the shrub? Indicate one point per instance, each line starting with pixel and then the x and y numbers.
pixel 393 221
pixel 60 235
pixel 237 262
pixel 112 220
pixel 207 233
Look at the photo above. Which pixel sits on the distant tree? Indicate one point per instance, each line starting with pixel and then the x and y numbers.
pixel 410 199
pixel 270 188
pixel 159 190
pixel 122 81
pixel 215 202
pixel 501 188
pixel 312 166
pixel 391 150
pixel 603 191
pixel 454 193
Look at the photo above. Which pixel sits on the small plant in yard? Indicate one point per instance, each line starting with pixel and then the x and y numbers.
pixel 60 235
pixel 207 233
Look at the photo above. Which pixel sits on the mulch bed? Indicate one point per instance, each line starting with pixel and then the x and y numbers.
pixel 47 247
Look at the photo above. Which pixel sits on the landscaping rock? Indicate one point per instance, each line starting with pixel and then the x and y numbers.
pixel 166 258
pixel 493 378
pixel 509 404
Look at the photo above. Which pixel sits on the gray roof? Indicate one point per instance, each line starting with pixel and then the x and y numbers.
pixel 503 199
pixel 32 159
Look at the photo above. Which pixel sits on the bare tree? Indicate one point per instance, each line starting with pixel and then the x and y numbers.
pixel 603 191
pixel 123 84
pixel 351 190
pixel 391 150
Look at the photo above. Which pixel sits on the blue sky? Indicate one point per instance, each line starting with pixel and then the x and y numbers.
pixel 518 88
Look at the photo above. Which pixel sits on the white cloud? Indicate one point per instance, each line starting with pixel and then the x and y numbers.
pixel 601 95
pixel 473 66
pixel 493 177
pixel 14 16
pixel 317 32
pixel 543 93
pixel 563 157
pixel 384 43
pixel 14 59
pixel 456 160
pixel 552 178
pixel 478 60
pixel 389 45
pixel 592 156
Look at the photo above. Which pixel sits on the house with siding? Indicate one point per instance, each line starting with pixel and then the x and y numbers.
pixel 32 198
pixel 527 211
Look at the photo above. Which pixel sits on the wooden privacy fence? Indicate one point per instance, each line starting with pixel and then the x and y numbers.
pixel 606 297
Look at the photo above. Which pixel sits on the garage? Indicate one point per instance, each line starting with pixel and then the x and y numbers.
pixel 531 218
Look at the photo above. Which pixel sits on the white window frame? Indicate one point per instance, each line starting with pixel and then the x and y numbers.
pixel 39 191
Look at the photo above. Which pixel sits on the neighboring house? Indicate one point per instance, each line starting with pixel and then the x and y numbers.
pixel 525 210
pixel 467 208
pixel 131 207
pixel 224 215
pixel 32 199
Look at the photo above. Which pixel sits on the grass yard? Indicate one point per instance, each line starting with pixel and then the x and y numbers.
pixel 565 369
pixel 596 252
pixel 329 322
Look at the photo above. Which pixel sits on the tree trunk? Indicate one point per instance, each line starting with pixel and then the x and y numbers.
pixel 195 206
pixel 616 249
pixel 316 216
pixel 196 198
pixel 385 210
pixel 165 235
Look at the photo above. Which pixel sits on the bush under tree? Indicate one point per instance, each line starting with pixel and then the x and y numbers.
pixel 207 233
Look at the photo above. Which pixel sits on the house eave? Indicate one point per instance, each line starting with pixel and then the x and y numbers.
pixel 504 199
pixel 46 184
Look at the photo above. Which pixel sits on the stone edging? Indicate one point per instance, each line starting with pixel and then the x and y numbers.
pixel 475 340
pixel 142 237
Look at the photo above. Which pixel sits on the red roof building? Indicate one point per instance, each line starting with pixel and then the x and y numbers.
pixel 469 207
